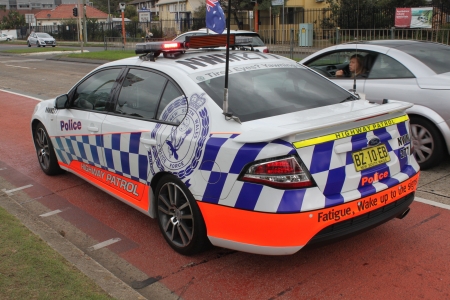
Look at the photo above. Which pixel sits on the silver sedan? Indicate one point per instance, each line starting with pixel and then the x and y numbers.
pixel 41 39
pixel 411 71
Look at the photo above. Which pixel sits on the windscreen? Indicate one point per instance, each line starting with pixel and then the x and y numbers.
pixel 43 35
pixel 249 39
pixel 266 92
pixel 435 56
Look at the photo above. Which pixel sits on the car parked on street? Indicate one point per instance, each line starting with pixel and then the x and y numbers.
pixel 6 37
pixel 41 39
pixel 244 39
pixel 413 71
pixel 289 159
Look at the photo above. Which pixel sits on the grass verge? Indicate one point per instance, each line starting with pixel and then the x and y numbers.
pixel 30 269
pixel 105 55
pixel 37 49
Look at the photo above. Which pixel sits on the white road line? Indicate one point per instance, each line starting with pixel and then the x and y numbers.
pixel 50 213
pixel 434 203
pixel 22 95
pixel 10 192
pixel 18 67
pixel 104 244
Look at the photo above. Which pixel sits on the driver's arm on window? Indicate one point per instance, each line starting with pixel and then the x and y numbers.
pixel 339 73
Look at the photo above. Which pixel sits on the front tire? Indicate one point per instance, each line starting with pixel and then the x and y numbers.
pixel 428 142
pixel 45 152
pixel 29 45
pixel 37 44
pixel 179 217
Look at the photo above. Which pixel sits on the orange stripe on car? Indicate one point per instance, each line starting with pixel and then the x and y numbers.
pixel 127 189
pixel 269 229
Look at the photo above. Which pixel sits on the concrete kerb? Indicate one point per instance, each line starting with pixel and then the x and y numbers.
pixel 107 281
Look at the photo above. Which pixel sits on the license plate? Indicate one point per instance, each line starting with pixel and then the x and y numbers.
pixel 370 157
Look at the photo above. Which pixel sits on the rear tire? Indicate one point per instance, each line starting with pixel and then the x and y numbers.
pixel 179 217
pixel 429 148
pixel 45 152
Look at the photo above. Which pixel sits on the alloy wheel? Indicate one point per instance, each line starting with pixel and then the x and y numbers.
pixel 175 215
pixel 423 142
pixel 42 147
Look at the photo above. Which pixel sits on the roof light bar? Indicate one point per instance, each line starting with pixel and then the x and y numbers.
pixel 152 47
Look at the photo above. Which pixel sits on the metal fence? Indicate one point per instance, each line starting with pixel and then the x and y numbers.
pixel 301 43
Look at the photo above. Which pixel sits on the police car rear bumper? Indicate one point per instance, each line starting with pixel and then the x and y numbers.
pixel 283 234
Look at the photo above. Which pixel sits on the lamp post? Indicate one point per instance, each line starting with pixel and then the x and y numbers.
pixel 122 8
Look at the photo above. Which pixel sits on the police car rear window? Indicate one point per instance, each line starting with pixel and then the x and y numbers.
pixel 265 93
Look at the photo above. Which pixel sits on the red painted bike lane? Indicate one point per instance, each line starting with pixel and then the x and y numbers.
pixel 407 258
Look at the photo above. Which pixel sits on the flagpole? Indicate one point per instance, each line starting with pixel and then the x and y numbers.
pixel 227 59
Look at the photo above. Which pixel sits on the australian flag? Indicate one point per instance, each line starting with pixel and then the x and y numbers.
pixel 215 18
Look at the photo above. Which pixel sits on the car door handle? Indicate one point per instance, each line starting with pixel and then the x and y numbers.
pixel 148 142
pixel 92 128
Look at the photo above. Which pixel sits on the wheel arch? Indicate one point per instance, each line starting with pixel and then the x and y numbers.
pixel 432 116
pixel 153 184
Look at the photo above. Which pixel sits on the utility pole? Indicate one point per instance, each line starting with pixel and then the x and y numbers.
pixel 122 8
pixel 80 34
pixel 84 21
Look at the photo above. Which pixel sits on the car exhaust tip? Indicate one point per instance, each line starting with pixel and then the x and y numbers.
pixel 403 214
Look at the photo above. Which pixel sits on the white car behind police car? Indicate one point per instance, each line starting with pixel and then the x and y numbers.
pixel 296 160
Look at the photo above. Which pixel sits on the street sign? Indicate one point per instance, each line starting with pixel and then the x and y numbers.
pixel 29 19
pixel 144 16
pixel 277 2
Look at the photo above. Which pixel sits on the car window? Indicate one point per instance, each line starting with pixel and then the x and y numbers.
pixel 435 56
pixel 171 93
pixel 274 91
pixel 94 92
pixel 43 35
pixel 140 94
pixel 183 37
pixel 387 67
pixel 329 64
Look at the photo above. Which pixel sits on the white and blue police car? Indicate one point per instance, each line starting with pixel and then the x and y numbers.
pixel 290 160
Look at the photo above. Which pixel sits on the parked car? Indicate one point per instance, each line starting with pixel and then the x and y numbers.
pixel 41 39
pixel 5 37
pixel 294 160
pixel 243 37
pixel 413 71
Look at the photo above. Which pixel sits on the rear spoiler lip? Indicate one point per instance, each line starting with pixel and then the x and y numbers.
pixel 270 133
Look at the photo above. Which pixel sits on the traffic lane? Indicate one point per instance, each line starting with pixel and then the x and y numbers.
pixel 37 77
pixel 390 257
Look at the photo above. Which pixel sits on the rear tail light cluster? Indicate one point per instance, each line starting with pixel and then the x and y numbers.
pixel 266 50
pixel 283 173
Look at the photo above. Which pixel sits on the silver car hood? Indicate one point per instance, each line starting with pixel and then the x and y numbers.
pixel 436 82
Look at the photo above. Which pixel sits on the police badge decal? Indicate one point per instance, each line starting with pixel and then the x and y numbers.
pixel 179 148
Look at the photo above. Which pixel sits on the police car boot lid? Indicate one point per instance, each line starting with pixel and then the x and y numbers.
pixel 321 118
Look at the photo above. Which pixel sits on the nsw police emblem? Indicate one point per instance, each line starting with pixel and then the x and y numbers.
pixel 179 148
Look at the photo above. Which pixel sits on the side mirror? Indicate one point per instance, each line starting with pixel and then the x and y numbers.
pixel 61 101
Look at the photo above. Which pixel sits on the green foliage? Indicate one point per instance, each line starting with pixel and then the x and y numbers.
pixel 13 20
pixel 130 12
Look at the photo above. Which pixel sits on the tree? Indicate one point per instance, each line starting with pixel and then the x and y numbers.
pixel 130 12
pixel 13 20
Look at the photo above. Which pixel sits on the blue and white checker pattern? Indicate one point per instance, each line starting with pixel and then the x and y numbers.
pixel 334 173
pixel 119 153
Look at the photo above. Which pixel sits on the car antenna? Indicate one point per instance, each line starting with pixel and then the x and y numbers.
pixel 228 115
pixel 357 32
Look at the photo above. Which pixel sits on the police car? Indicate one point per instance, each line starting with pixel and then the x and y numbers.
pixel 280 159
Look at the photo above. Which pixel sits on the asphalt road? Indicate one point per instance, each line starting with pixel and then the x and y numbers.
pixel 406 258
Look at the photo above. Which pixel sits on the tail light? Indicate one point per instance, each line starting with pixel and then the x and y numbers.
pixel 266 50
pixel 283 173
